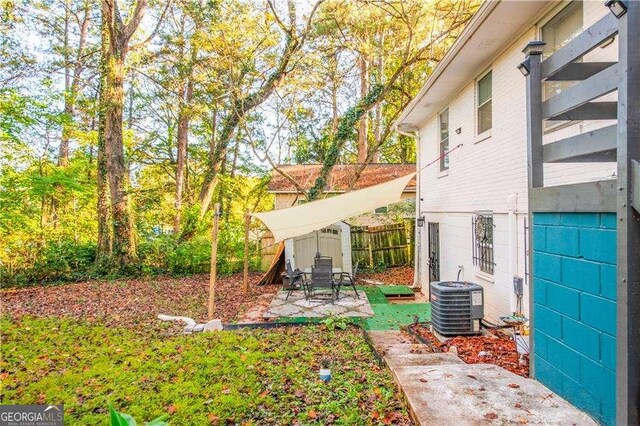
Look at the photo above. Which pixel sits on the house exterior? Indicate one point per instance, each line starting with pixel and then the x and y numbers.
pixel 488 217
pixel 336 240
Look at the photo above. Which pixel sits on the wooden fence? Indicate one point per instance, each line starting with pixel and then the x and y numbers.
pixel 391 245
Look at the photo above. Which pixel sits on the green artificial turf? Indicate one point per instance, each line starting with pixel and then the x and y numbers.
pixel 374 295
pixel 395 290
pixel 391 316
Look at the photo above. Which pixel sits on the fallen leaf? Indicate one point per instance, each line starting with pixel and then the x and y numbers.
pixel 312 414
pixel 513 385
pixel 491 416
pixel 172 409
pixel 423 380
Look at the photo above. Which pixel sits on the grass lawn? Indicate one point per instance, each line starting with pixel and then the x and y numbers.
pixel 244 377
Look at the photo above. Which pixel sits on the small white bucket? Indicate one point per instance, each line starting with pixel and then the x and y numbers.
pixel 325 374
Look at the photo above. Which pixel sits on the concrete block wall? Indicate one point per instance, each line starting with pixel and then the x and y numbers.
pixel 574 304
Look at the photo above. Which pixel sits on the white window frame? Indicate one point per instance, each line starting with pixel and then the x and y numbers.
pixel 444 169
pixel 487 133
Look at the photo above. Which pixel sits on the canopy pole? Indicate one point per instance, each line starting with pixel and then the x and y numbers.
pixel 214 260
pixel 247 224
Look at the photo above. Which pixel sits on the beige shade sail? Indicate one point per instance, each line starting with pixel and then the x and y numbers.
pixel 305 218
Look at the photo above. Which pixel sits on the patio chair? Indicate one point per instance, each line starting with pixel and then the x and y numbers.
pixel 295 280
pixel 324 261
pixel 349 280
pixel 321 280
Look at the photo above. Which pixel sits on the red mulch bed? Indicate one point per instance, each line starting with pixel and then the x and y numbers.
pixel 398 275
pixel 498 348
pixel 136 303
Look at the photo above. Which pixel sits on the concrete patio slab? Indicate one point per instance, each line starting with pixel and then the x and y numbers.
pixel 476 394
pixel 410 360
pixel 348 305
pixel 443 390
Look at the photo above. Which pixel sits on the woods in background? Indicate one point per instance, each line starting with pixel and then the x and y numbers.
pixel 121 122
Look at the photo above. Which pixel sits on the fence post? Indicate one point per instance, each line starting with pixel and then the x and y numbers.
pixel 247 224
pixel 368 234
pixel 214 260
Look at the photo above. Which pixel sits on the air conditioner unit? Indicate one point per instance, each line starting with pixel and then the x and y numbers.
pixel 456 307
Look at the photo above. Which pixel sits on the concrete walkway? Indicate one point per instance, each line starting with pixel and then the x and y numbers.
pixel 441 389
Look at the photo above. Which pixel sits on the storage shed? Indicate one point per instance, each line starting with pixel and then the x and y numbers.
pixel 334 241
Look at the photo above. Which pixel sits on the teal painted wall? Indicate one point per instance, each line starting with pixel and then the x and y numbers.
pixel 574 304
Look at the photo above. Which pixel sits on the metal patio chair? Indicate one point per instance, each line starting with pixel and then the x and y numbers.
pixel 295 280
pixel 324 261
pixel 321 282
pixel 349 280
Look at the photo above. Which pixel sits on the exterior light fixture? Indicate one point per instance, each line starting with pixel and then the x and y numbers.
pixel 524 67
pixel 534 48
pixel 458 130
pixel 617 7
pixel 420 221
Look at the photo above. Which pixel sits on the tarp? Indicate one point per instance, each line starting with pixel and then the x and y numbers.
pixel 305 218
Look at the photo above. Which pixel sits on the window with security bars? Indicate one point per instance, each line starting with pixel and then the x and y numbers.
pixel 482 228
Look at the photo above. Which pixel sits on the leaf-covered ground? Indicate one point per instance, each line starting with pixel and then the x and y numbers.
pixel 245 377
pixel 399 275
pixel 492 348
pixel 136 303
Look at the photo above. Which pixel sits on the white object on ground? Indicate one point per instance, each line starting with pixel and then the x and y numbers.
pixel 191 326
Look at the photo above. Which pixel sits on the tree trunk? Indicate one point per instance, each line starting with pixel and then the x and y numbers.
pixel 104 211
pixel 72 72
pixel 124 235
pixel 63 153
pixel 377 130
pixel 124 246
pixel 184 117
pixel 363 143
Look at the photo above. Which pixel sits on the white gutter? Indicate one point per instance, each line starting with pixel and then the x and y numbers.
pixel 418 231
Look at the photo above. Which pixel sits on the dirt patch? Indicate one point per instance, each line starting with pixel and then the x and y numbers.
pixel 495 348
pixel 136 303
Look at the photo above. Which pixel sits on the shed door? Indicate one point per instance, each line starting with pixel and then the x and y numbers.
pixel 329 243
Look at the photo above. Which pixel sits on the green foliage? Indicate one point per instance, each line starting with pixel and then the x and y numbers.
pixel 246 377
pixel 333 322
pixel 346 129
pixel 216 63
pixel 122 419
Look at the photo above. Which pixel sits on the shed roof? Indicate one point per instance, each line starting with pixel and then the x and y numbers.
pixel 341 176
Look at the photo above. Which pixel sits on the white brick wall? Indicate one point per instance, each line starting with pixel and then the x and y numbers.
pixel 484 174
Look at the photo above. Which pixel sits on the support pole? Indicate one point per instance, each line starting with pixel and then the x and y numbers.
pixel 628 232
pixel 214 261
pixel 247 224
pixel 535 171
